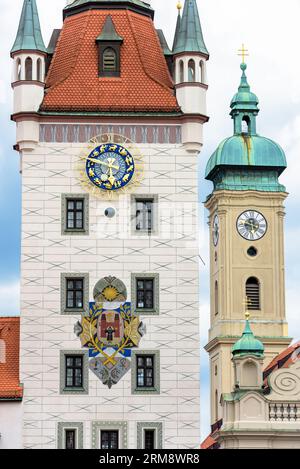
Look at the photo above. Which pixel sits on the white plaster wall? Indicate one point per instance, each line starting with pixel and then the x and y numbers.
pixel 170 172
pixel 10 425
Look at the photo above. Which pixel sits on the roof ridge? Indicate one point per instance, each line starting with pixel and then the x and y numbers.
pixel 141 60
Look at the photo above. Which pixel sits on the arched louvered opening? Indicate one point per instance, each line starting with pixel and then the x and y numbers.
pixel 109 60
pixel 216 298
pixel 253 293
pixel 28 69
pixel 2 351
pixel 39 76
pixel 191 71
pixel 18 70
pixel 181 71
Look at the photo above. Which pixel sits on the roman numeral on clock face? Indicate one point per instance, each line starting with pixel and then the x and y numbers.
pixel 251 225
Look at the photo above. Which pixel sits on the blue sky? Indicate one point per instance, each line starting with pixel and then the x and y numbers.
pixel 271 33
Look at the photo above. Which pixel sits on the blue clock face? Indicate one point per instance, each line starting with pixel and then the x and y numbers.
pixel 110 167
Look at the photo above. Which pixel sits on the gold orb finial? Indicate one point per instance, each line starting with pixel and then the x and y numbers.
pixel 179 5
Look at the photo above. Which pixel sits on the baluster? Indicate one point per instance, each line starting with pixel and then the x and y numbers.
pixel 272 413
pixel 285 412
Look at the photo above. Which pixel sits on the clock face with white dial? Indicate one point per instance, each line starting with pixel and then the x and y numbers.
pixel 216 230
pixel 252 225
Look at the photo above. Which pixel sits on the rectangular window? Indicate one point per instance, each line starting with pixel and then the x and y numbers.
pixel 75 288
pixel 149 439
pixel 144 215
pixel 145 371
pixel 75 214
pixel 144 293
pixel 109 439
pixel 70 436
pixel 74 371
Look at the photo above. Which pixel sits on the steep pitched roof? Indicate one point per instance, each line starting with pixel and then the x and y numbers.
pixel 188 36
pixel 29 35
pixel 10 388
pixel 73 83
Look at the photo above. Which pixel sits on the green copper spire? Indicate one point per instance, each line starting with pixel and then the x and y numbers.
pixel 246 160
pixel 29 36
pixel 244 106
pixel 248 344
pixel 177 27
pixel 188 36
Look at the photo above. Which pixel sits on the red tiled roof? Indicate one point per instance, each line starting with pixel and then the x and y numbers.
pixel 283 360
pixel 208 443
pixel 73 83
pixel 9 359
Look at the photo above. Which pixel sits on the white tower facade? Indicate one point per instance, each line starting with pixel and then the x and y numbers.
pixel 109 292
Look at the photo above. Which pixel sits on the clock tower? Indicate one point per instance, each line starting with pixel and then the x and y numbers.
pixel 246 219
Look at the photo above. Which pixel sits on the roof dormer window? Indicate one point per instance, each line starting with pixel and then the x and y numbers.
pixel 109 48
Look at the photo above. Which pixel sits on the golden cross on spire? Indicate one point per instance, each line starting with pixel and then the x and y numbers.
pixel 247 302
pixel 179 5
pixel 243 53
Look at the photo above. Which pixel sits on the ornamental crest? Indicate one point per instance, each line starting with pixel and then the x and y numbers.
pixel 110 332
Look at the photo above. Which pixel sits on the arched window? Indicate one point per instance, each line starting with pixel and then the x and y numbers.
pixel 18 70
pixel 202 72
pixel 28 69
pixel 253 293
pixel 216 298
pixel 2 351
pixel 109 60
pixel 191 70
pixel 39 70
pixel 246 125
pixel 216 406
pixel 181 71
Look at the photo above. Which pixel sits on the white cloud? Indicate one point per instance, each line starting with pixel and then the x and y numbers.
pixel 10 298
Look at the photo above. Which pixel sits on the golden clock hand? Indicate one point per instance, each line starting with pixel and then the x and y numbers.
pixel 111 177
pixel 103 163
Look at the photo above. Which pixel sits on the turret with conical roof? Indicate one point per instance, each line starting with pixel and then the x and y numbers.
pixel 189 61
pixel 29 36
pixel 188 35
pixel 29 54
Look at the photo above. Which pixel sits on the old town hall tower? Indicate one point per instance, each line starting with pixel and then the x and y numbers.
pixel 109 126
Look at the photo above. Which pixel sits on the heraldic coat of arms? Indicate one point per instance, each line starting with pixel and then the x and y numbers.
pixel 110 332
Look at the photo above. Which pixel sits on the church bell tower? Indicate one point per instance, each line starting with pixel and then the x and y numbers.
pixel 246 220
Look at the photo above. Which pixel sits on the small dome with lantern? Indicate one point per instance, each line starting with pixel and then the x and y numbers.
pixel 246 160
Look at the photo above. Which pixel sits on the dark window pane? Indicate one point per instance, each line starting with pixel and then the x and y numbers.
pixel 74 366
pixel 149 361
pixel 79 205
pixel 70 439
pixel 70 205
pixel 109 439
pixel 145 294
pixel 144 214
pixel 75 210
pixel 70 284
pixel 149 436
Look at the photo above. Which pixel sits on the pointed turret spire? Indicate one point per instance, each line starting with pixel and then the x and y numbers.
pixel 29 36
pixel 176 37
pixel 188 36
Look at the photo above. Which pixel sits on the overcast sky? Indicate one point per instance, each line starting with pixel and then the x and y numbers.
pixel 270 30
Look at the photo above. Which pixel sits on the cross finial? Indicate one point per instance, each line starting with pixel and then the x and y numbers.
pixel 243 53
pixel 247 303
